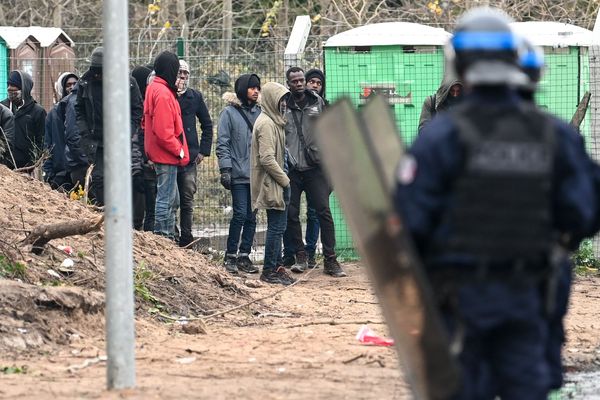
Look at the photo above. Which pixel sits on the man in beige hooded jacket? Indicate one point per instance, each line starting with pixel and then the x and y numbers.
pixel 269 183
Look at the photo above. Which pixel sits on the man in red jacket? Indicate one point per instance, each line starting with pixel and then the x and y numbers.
pixel 164 140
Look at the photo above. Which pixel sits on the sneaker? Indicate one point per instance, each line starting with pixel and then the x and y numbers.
pixel 332 267
pixel 184 241
pixel 300 265
pixel 230 264
pixel 277 276
pixel 244 264
pixel 289 260
pixel 312 262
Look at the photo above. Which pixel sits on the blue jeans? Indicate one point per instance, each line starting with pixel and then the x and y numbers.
pixel 276 224
pixel 167 199
pixel 311 236
pixel 243 221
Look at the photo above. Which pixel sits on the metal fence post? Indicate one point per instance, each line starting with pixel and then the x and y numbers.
pixel 297 41
pixel 180 47
pixel 120 336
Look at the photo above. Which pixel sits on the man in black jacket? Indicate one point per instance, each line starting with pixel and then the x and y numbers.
pixel 192 106
pixel 29 119
pixel 55 169
pixel 88 110
pixel 303 107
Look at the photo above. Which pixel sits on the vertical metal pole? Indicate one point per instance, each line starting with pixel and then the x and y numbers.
pixel 120 336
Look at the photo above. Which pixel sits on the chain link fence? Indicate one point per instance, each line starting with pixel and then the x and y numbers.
pixel 405 74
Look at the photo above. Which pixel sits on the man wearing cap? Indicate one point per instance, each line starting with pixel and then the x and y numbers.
pixel 89 116
pixel 29 119
pixel 192 106
pixel 55 169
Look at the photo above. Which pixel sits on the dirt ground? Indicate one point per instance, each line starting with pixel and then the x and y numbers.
pixel 281 354
pixel 293 343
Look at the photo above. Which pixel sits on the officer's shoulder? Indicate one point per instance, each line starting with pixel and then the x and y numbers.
pixel 439 130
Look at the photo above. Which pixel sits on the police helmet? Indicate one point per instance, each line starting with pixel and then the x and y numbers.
pixel 532 63
pixel 484 50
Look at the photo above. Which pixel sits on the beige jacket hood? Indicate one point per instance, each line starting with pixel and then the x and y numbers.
pixel 267 178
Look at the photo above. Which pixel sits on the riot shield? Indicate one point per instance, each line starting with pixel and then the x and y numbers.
pixel 360 154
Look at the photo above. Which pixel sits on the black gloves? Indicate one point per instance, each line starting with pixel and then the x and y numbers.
pixel 226 178
pixel 138 183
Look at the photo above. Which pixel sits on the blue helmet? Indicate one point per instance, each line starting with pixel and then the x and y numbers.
pixel 485 50
pixel 532 62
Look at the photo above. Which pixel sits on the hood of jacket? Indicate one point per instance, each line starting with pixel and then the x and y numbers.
pixel 26 86
pixel 166 66
pixel 140 74
pixel 241 87
pixel 311 73
pixel 444 89
pixel 231 99
pixel 61 83
pixel 271 94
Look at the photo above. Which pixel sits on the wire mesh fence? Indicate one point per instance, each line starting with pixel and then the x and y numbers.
pixel 406 74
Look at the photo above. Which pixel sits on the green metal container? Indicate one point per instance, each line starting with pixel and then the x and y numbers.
pixel 403 61
pixel 4 65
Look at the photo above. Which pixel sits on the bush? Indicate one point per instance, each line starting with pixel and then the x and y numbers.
pixel 584 257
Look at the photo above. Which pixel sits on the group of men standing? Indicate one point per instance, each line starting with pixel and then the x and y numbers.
pixel 267 158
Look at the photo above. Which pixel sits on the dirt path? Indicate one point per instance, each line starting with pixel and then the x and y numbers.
pixel 248 355
pixel 243 355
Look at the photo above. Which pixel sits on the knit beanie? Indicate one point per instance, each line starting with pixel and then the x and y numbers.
pixel 14 79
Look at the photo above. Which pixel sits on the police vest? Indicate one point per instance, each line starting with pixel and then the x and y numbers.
pixel 501 201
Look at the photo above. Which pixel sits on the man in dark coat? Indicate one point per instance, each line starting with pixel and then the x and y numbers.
pixel 192 107
pixel 88 111
pixel 447 96
pixel 55 169
pixel 144 193
pixel 29 119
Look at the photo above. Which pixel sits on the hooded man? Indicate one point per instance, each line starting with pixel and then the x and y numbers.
pixel 192 107
pixel 164 140
pixel 144 193
pixel 234 137
pixel 55 168
pixel 269 183
pixel 29 119
pixel 89 116
pixel 447 96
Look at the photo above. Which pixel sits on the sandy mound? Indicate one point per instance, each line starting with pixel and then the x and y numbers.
pixel 168 280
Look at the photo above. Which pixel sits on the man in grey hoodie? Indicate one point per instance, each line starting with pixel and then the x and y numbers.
pixel 234 137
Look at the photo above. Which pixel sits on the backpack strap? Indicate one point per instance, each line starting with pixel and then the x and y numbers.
pixel 243 114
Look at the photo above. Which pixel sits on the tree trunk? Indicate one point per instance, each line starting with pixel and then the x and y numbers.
pixel 57 14
pixel 227 27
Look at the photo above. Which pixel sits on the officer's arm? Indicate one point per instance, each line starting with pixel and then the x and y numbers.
pixel 575 194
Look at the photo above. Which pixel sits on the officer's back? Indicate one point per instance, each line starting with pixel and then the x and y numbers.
pixel 488 191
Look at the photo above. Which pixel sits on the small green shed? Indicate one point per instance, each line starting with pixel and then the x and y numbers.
pixel 403 61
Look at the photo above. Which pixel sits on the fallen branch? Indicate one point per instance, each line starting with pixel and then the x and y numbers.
pixel 42 234
pixel 45 155
pixel 219 313
pixel 335 322
pixel 361 355
pixel 86 363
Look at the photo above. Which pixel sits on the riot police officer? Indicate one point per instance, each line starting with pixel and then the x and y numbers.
pixel 488 190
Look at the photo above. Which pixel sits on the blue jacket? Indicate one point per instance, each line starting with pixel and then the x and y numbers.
pixel 426 188
pixel 193 106
pixel 55 141
pixel 234 138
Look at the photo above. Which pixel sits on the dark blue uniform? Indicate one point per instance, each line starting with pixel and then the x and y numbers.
pixel 505 324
